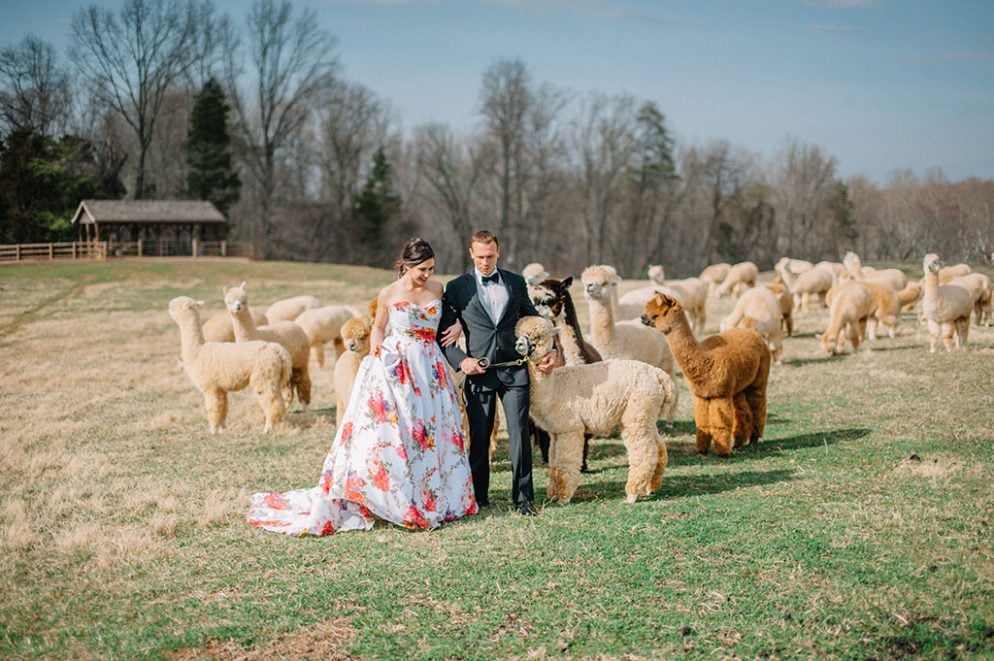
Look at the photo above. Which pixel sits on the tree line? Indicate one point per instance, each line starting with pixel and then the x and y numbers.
pixel 170 99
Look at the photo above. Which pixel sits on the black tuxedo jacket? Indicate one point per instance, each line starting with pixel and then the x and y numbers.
pixel 484 338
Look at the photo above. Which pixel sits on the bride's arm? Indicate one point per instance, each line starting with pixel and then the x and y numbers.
pixel 379 324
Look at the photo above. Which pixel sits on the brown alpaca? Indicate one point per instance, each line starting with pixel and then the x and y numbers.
pixel 726 373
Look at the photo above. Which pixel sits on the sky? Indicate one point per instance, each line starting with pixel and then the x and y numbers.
pixel 880 85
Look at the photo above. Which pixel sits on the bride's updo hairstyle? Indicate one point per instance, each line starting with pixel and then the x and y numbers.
pixel 415 251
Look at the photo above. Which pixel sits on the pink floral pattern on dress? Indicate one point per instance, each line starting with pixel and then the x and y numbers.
pixel 399 454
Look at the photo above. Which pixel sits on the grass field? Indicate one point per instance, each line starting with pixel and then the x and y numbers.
pixel 862 526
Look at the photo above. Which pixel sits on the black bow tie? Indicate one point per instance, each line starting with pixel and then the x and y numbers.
pixel 493 277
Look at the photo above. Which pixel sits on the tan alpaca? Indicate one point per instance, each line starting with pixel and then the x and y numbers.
pixel 286 333
pixel 946 308
pixel 910 295
pixel 714 274
pixel 759 309
pixel 786 301
pixel 288 309
pixel 726 373
pixel 796 266
pixel 220 328
pixel 979 286
pixel 217 368
pixel 740 277
pixel 596 398
pixel 886 309
pixel 625 341
pixel 895 278
pixel 691 292
pixel 948 273
pixel 355 337
pixel 810 286
pixel 850 308
pixel 323 325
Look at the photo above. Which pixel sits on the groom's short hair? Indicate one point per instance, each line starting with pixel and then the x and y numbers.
pixel 484 236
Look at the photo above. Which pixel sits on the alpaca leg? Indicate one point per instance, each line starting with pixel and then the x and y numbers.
pixel 742 420
pixel 643 458
pixel 216 403
pixel 703 424
pixel 555 475
pixel 271 402
pixel 756 397
pixel 934 330
pixel 317 353
pixel 300 383
pixel 855 335
pixel 962 331
pixel 584 468
pixel 568 457
pixel 871 329
pixel 789 322
pixel 722 415
pixel 661 459
pixel 671 413
pixel 948 335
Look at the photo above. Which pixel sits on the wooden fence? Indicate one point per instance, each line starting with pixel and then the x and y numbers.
pixel 104 249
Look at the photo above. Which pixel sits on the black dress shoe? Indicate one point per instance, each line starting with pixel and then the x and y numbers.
pixel 527 509
pixel 482 503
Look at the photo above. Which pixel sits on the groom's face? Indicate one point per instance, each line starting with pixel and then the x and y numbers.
pixel 484 256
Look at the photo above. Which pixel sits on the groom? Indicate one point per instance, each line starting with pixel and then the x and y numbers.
pixel 488 302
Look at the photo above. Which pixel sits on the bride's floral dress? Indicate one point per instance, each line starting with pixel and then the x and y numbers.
pixel 399 454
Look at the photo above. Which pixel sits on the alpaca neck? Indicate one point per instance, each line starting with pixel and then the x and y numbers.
pixel 571 346
pixel 244 325
pixel 191 338
pixel 601 321
pixel 789 279
pixel 575 335
pixel 684 347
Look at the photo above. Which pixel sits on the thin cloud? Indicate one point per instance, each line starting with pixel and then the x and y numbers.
pixel 827 28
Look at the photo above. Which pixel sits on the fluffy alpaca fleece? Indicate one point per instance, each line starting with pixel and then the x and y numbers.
pixel 288 309
pixel 796 266
pixel 740 277
pixel 217 368
pixel 910 295
pixel 219 327
pixel 714 274
pixel 946 308
pixel 286 333
pixel 979 286
pixel 691 292
pixel 726 373
pixel 597 398
pixel 355 336
pixel 851 307
pixel 759 309
pixel 786 301
pixel 323 325
pixel 625 341
pixel 856 271
pixel 949 273
pixel 534 273
pixel 811 285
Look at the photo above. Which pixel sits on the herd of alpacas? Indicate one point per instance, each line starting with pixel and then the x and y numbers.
pixel 619 377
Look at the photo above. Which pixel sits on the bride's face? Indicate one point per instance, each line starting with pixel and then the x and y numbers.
pixel 420 273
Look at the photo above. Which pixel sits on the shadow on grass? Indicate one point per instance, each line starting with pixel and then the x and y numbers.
pixel 684 454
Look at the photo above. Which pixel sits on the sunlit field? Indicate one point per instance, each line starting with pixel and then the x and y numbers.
pixel 862 526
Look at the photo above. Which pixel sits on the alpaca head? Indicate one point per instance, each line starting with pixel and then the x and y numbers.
pixel 183 307
pixel 660 311
pixel 355 335
pixel 657 274
pixel 534 273
pixel 851 261
pixel 236 298
pixel 535 337
pixel 373 303
pixel 549 297
pixel 597 282
pixel 932 263
pixel 829 343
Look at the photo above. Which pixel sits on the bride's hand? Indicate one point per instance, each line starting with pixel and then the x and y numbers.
pixel 451 335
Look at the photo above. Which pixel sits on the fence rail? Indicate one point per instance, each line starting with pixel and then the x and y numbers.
pixel 103 249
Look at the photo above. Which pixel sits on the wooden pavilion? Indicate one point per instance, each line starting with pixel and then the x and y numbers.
pixel 169 223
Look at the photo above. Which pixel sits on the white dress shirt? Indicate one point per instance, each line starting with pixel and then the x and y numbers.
pixel 493 295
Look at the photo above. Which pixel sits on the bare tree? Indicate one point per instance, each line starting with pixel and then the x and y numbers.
pixel 134 58
pixel 804 186
pixel 34 87
pixel 292 63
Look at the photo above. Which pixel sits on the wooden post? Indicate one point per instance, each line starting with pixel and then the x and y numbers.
pixel 17 252
pixel 51 251
pixel 139 247
pixel 74 250
pixel 224 249
pixel 193 242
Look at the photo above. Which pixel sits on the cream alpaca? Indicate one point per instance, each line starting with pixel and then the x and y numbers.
pixel 979 286
pixel 288 309
pixel 796 266
pixel 219 327
pixel 691 292
pixel 217 368
pixel 286 333
pixel 323 325
pixel 759 309
pixel 812 285
pixel 627 341
pixel 534 273
pixel 714 275
pixel 850 309
pixel 597 398
pixel 946 308
pixel 740 277
pixel 726 373
pixel 786 301
pixel 949 273
pixel 355 336
pixel 856 271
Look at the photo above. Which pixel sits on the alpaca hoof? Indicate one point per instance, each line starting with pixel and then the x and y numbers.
pixel 631 499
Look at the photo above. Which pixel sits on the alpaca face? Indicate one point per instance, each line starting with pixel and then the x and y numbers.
pixel 236 298
pixel 355 335
pixel 656 274
pixel 534 337
pixel 660 311
pixel 181 307
pixel 597 283
pixel 932 263
pixel 544 299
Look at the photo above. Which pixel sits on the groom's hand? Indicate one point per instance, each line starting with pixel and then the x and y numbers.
pixel 471 366
pixel 451 335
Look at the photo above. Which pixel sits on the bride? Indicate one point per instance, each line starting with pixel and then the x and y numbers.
pixel 399 454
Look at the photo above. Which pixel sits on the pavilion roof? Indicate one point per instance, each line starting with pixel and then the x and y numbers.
pixel 146 211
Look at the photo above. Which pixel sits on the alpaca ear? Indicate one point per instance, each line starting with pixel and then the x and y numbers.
pixel 567 282
pixel 243 285
pixel 224 290
pixel 199 304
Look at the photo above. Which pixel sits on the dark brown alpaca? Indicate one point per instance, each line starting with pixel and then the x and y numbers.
pixel 726 373
pixel 552 299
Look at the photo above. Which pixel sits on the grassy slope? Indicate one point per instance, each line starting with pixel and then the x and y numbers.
pixel 862 525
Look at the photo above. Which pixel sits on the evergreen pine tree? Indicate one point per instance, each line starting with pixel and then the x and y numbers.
pixel 208 150
pixel 377 203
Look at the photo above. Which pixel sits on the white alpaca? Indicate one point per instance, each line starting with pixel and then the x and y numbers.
pixel 288 309
pixel 856 271
pixel 625 341
pixel 759 309
pixel 323 325
pixel 219 328
pixel 596 399
pixel 811 285
pixel 979 286
pixel 355 336
pixel 217 368
pixel 786 300
pixel 534 273
pixel 286 333
pixel 946 308
pixel 740 277
pixel 850 310
pixel 714 274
